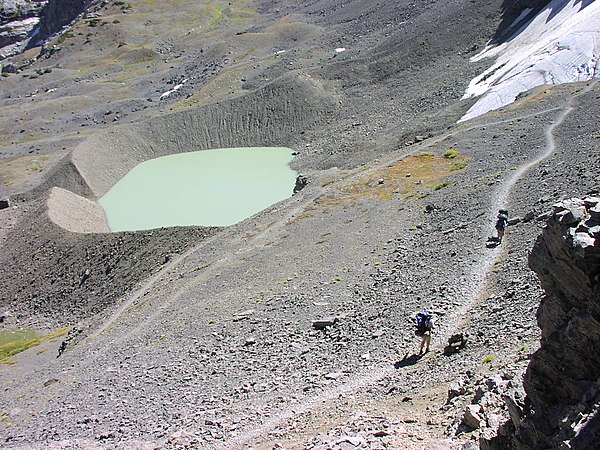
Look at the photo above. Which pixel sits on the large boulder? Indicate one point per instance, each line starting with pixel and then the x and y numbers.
pixel 4 202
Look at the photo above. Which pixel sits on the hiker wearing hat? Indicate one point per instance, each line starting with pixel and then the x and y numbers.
pixel 501 222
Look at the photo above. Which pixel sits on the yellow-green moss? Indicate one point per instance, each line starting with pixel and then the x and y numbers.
pixel 14 342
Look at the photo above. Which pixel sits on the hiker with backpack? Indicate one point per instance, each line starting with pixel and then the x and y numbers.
pixel 424 328
pixel 501 222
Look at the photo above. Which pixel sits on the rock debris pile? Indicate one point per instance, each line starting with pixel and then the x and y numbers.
pixel 359 432
pixel 480 402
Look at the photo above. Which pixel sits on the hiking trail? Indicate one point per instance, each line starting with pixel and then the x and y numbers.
pixel 471 292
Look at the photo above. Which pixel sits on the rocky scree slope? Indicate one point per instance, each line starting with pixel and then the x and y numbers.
pixel 384 81
pixel 172 358
pixel 222 353
pixel 320 107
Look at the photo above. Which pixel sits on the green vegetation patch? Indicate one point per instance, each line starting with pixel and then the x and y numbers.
pixel 409 177
pixel 124 6
pixel 216 17
pixel 457 166
pixel 137 56
pixel 451 154
pixel 66 35
pixel 439 186
pixel 95 22
pixel 14 169
pixel 488 359
pixel 14 342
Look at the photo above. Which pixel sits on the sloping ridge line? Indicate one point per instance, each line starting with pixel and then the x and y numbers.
pixel 271 116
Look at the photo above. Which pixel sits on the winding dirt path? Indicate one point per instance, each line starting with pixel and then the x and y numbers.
pixel 472 290
pixel 172 266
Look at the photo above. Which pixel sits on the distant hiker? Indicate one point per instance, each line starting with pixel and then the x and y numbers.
pixel 501 222
pixel 424 328
pixel 62 348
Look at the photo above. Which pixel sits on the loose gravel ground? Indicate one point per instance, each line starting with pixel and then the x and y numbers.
pixel 204 338
pixel 220 352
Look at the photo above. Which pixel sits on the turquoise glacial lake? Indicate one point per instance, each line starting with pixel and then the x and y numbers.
pixel 211 188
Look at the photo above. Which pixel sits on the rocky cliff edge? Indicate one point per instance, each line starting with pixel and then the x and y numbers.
pixel 562 382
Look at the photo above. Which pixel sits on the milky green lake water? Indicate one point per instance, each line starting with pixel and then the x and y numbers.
pixel 211 188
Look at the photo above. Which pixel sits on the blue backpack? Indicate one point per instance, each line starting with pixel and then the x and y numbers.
pixel 423 322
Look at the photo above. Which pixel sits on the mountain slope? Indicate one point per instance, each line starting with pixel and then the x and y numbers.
pixel 206 338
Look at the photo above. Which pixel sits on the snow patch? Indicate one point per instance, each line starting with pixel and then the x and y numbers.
pixel 561 44
pixel 175 89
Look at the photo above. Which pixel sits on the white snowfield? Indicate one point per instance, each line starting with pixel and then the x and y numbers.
pixel 561 44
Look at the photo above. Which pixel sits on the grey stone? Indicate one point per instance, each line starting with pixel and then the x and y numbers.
pixel 334 375
pixel 456 342
pixel 4 202
pixel 528 217
pixel 479 393
pixel 590 202
pixel 471 416
pixel 355 441
pixel 9 68
pixel 378 333
pixel 558 207
pixel 244 315
pixel 301 183
pixel 494 421
pixel 594 231
pixel 515 407
pixel 321 324
pixel 573 216
pixel 491 401
pixel 574 203
pixel 456 388
pixel 595 212
pixel 583 240
pixel 496 383
pixel 544 216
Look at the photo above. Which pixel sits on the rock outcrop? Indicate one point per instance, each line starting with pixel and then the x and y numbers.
pixel 18 18
pixel 57 14
pixel 562 382
pixel 27 23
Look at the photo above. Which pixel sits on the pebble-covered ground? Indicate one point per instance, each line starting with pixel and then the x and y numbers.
pixel 293 329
